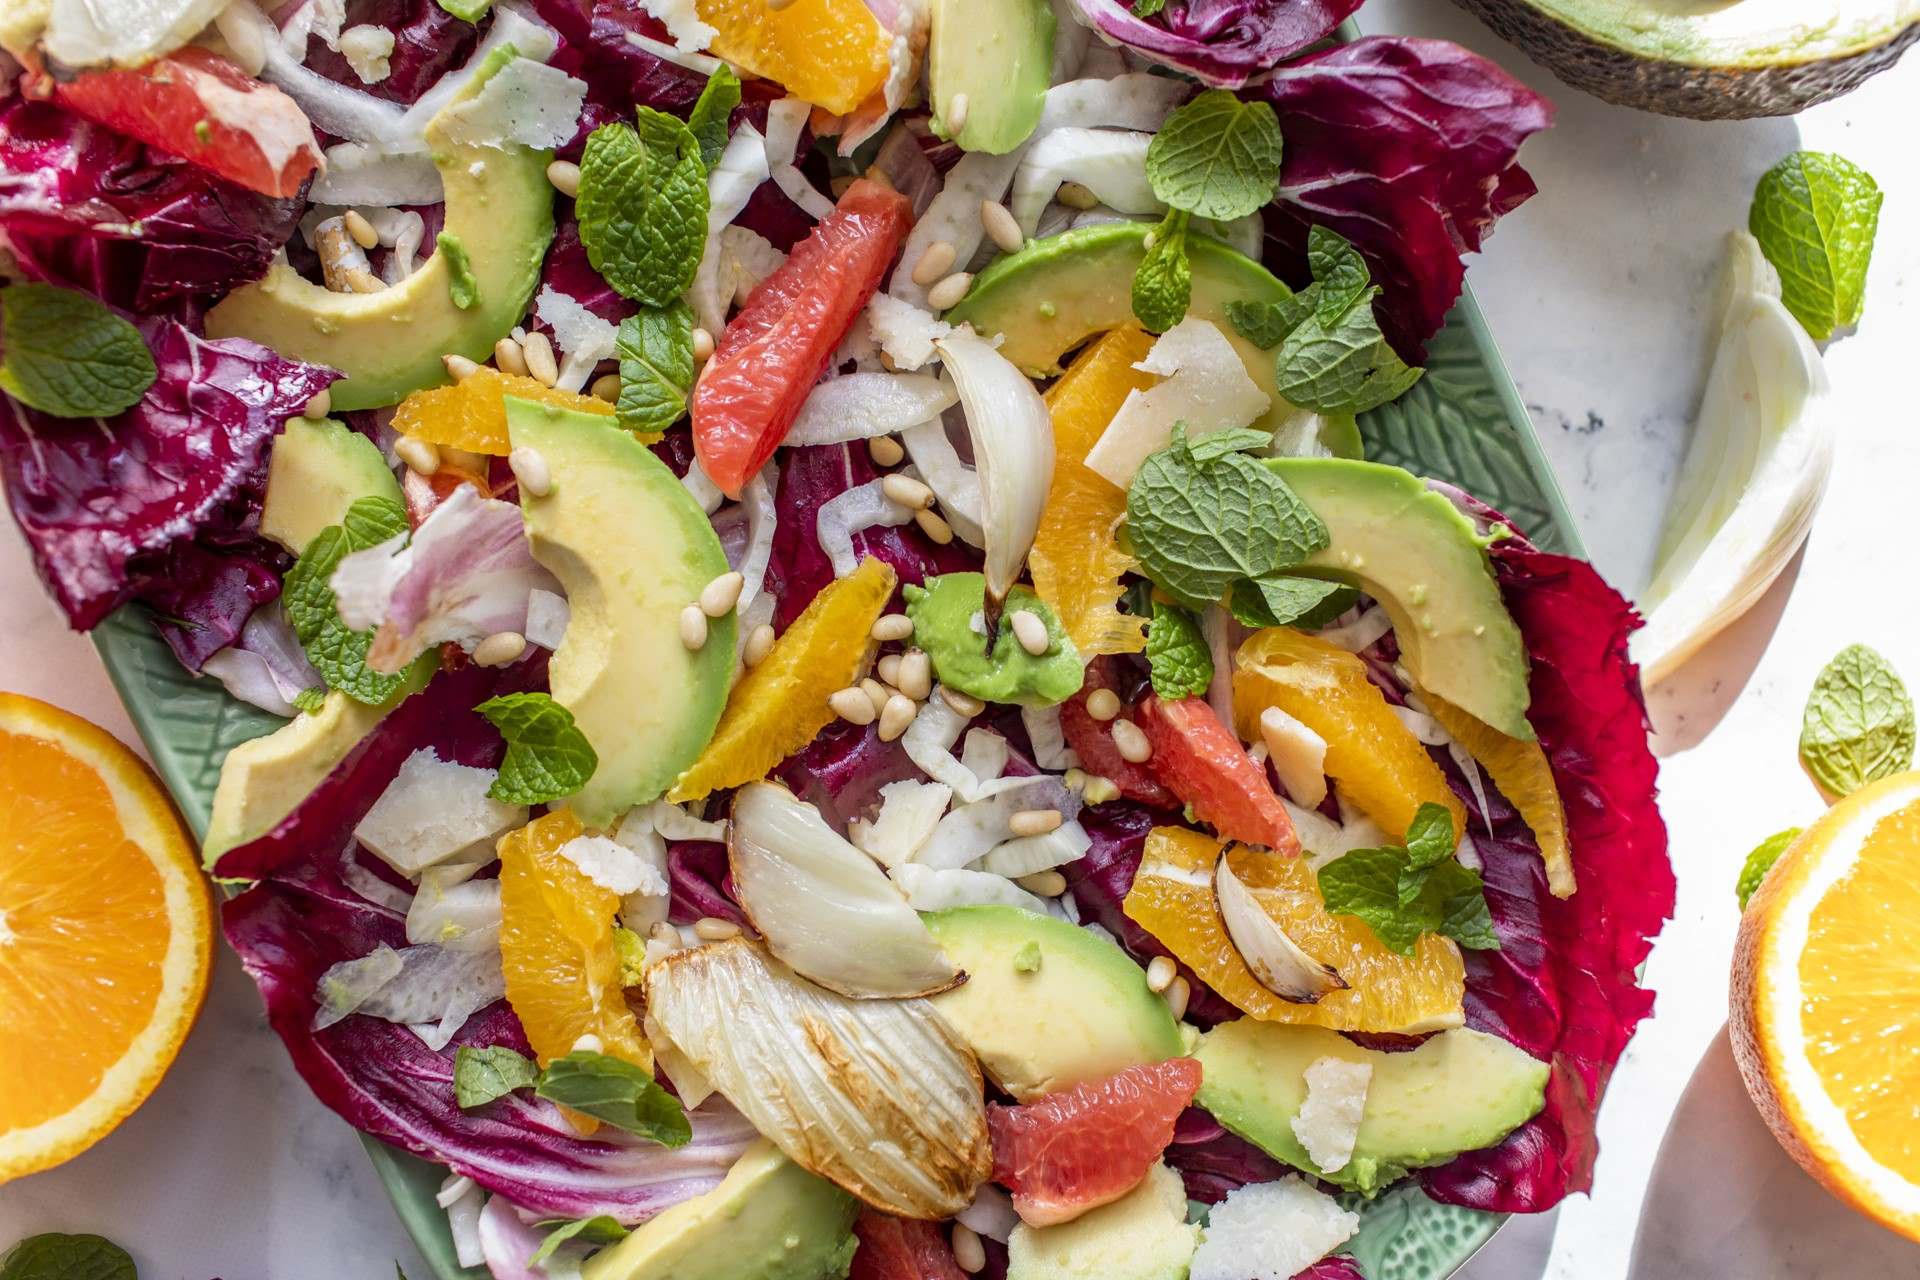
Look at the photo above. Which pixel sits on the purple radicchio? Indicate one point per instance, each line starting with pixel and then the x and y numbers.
pixel 1224 43
pixel 428 42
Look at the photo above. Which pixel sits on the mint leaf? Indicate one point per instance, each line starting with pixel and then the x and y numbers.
pixel 467 10
pixel 484 1075
pixel 1405 891
pixel 1163 282
pixel 55 1256
pixel 337 653
pixel 655 347
pixel 547 755
pixel 1218 444
pixel 1279 600
pixel 1197 527
pixel 1815 216
pixel 617 1092
pixel 710 115
pixel 372 521
pixel 643 206
pixel 462 288
pixel 1858 726
pixel 69 355
pixel 1761 861
pixel 1147 8
pixel 1177 653
pixel 1343 365
pixel 1339 272
pixel 1267 324
pixel 1430 835
pixel 1217 157
pixel 1366 883
pixel 310 700
pixel 1461 904
pixel 602 1229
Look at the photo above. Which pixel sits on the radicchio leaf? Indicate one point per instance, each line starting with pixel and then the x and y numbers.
pixel 1225 43
pixel 428 42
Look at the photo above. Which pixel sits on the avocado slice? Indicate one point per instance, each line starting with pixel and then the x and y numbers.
pixel 1461 1090
pixel 769 1219
pixel 1412 550
pixel 1144 1235
pixel 318 470
pixel 1060 290
pixel 388 344
pixel 1708 61
pixel 998 54
pixel 633 549
pixel 1082 1013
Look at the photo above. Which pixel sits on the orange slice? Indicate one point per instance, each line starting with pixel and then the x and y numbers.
pixel 472 413
pixel 106 934
pixel 1377 761
pixel 1172 898
pixel 1076 559
pixel 832 53
pixel 557 946
pixel 781 705
pixel 1521 771
pixel 1826 1001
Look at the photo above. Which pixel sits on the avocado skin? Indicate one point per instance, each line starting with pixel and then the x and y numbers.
pixel 1625 78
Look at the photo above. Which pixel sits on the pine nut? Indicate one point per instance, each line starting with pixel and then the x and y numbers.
pixel 895 716
pixel 936 260
pixel 720 595
pixel 1132 742
pixel 1030 631
pixel 508 358
pixel 565 177
pixel 888 669
pixel 759 645
pixel 916 675
pixel 1161 972
pixel 967 1249
pixel 931 523
pixel 419 455
pixel 1178 992
pixel 702 346
pixel 956 114
pixel 892 626
pixel 1076 196
pixel 607 387
pixel 537 348
pixel 853 705
pixel 714 929
pixel 530 469
pixel 949 291
pixel 1103 704
pixel 1048 884
pixel 962 703
pixel 1034 822
pixel 877 693
pixel 1001 227
pixel 318 407
pixel 360 229
pixel 500 648
pixel 908 492
pixel 885 451
pixel 459 368
pixel 1099 790
pixel 693 628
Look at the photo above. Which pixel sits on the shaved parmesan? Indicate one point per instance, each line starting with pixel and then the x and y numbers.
pixel 904 331
pixel 1298 755
pixel 1271 1231
pixel 613 866
pixel 547 617
pixel 368 50
pixel 525 103
pixel 1206 387
pixel 1328 1121
pixel 682 21
pixel 455 911
pixel 583 337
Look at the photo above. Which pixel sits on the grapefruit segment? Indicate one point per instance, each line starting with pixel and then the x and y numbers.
pixel 901 1249
pixel 1200 760
pixel 1092 741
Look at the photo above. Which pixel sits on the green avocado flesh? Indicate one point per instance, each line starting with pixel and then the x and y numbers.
pixel 1083 1013
pixel 1144 1235
pixel 633 549
pixel 1709 59
pixel 318 470
pixel 943 611
pixel 1057 292
pixel 998 55
pixel 390 343
pixel 1461 1090
pixel 1411 550
pixel 768 1220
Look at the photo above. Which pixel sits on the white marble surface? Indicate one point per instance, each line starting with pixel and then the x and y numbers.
pixel 1596 291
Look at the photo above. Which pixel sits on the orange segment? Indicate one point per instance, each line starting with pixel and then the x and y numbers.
pixel 472 413
pixel 1521 771
pixel 1377 761
pixel 781 705
pixel 1826 1001
pixel 832 53
pixel 106 934
pixel 1172 898
pixel 556 945
pixel 1076 560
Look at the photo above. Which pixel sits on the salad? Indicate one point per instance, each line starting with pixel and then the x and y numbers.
pixel 850 700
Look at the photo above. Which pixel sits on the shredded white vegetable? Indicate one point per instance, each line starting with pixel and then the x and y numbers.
pixel 861 507
pixel 859 406
pixel 1108 162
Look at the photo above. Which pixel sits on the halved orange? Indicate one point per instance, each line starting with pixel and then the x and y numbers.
pixel 832 53
pixel 1521 771
pixel 1825 1017
pixel 106 934
pixel 471 414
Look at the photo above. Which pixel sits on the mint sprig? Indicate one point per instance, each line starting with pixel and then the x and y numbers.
pixel 547 755
pixel 643 205
pixel 655 348
pixel 618 1093
pixel 1282 600
pixel 336 652
pixel 1147 8
pixel 1177 653
pixel 70 355
pixel 1761 861
pixel 600 1229
pixel 1815 215
pixel 1163 282
pixel 1858 726
pixel 57 1256
pixel 712 112
pixel 1405 891
pixel 1217 157
pixel 483 1075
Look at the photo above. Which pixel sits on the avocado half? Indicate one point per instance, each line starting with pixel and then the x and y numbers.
pixel 1707 59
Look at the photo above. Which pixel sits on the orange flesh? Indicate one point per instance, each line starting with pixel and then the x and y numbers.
pixel 832 53
pixel 1521 772
pixel 472 413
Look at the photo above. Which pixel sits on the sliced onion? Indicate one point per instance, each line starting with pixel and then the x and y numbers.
pixel 938 889
pixel 909 812
pixel 1024 855
pixel 1012 435
pixel 955 484
pixel 859 406
pixel 463 1222
pixel 1110 163
pixel 1298 755
pixel 878 1096
pixel 845 514
pixel 1275 959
